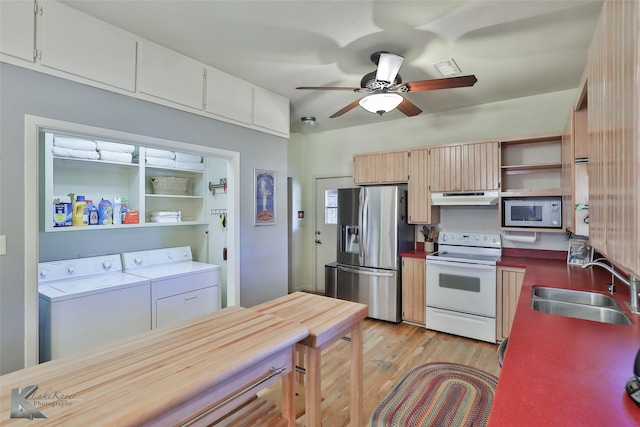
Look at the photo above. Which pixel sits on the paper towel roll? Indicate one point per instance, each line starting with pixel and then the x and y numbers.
pixel 524 238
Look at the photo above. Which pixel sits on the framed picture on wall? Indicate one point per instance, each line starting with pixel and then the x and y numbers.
pixel 265 197
pixel 580 252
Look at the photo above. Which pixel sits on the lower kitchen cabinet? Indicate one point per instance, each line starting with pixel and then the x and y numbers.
pixel 413 290
pixel 509 284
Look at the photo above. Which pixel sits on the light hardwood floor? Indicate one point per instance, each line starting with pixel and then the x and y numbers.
pixel 390 351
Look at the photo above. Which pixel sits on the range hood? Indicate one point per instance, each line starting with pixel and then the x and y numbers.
pixel 476 198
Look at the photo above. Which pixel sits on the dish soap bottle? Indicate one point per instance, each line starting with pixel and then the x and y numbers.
pixel 80 214
pixel 93 213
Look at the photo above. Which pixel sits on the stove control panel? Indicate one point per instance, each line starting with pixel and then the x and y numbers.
pixel 487 240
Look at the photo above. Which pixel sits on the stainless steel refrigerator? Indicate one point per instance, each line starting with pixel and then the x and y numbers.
pixel 372 231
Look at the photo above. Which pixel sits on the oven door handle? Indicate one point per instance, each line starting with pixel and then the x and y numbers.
pixel 367 272
pixel 465 265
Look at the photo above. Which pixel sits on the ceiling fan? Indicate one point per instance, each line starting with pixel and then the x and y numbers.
pixel 384 86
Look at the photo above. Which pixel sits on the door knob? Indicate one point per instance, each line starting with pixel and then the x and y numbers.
pixel 318 232
pixel 318 242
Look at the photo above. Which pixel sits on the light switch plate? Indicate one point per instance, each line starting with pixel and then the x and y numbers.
pixel 3 245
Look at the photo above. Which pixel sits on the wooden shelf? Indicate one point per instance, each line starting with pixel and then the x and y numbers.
pixel 539 167
pixel 538 192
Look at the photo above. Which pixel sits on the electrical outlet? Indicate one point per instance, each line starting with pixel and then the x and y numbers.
pixel 3 245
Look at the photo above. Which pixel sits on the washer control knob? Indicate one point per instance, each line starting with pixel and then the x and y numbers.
pixel 138 259
pixel 106 265
pixel 43 273
pixel 170 255
pixel 71 269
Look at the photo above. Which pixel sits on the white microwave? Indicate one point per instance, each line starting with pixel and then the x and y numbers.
pixel 532 212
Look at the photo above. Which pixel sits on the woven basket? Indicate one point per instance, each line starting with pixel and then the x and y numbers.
pixel 170 185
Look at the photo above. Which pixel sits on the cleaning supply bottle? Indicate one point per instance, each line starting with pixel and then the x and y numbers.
pixel 117 210
pixel 105 212
pixel 80 214
pixel 93 213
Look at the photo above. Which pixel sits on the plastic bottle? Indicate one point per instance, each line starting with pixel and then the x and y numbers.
pixel 117 210
pixel 123 209
pixel 93 213
pixel 80 214
pixel 105 212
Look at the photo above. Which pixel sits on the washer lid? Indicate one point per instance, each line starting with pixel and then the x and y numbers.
pixel 173 269
pixel 70 289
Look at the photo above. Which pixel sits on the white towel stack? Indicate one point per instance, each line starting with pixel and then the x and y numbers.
pixel 115 152
pixel 73 147
pixel 189 161
pixel 156 157
pixel 166 216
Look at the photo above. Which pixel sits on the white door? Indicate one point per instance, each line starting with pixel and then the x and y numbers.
pixel 326 233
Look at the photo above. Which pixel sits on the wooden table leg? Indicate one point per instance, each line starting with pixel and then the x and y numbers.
pixel 356 375
pixel 313 399
pixel 288 394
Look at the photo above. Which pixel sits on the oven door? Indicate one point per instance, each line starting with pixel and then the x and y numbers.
pixel 462 287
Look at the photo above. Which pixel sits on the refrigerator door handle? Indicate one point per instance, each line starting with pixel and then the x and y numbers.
pixel 364 221
pixel 367 272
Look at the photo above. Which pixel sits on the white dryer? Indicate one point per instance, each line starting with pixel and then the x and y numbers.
pixel 181 288
pixel 87 302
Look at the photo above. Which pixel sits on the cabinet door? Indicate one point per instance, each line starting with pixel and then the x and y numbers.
pixel 82 45
pixel 614 152
pixel 366 168
pixel 393 167
pixel 481 166
pixel 419 200
pixel 509 285
pixel 567 173
pixel 171 76
pixel 444 168
pixel 17 34
pixel 229 96
pixel 271 111
pixel 413 290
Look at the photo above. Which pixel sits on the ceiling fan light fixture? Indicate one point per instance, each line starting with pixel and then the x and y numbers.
pixel 381 103
pixel 447 68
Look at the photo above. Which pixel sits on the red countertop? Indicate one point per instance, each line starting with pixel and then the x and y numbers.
pixel 560 371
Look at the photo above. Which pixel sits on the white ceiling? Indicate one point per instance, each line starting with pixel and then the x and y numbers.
pixel 515 48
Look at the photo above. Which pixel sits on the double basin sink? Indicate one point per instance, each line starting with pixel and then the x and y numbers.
pixel 579 305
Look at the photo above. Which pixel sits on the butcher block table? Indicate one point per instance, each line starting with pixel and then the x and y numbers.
pixel 165 377
pixel 328 320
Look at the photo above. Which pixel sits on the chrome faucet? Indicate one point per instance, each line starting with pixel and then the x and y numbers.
pixel 612 285
pixel 633 283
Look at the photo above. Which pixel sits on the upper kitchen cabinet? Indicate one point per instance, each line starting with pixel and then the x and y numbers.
pixel 81 45
pixel 170 76
pixel 419 206
pixel 532 166
pixel 380 168
pixel 229 96
pixel 575 179
pixel 614 133
pixel 270 111
pixel 17 29
pixel 481 166
pixel 464 167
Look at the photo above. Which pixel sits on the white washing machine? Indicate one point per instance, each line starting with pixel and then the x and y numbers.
pixel 87 302
pixel 180 287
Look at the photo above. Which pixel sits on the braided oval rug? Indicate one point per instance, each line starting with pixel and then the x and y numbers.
pixel 438 394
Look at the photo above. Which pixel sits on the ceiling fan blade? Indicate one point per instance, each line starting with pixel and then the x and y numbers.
pixel 445 83
pixel 349 107
pixel 408 108
pixel 388 66
pixel 350 89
